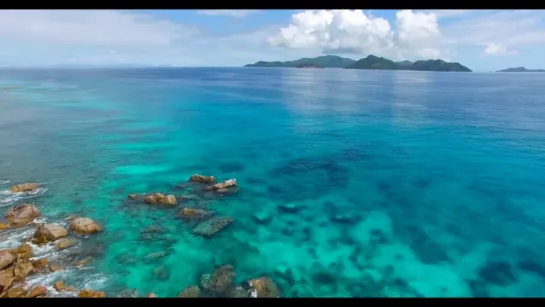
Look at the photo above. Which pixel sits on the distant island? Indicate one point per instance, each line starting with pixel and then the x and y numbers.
pixel 370 62
pixel 521 69
pixel 308 66
pixel 326 61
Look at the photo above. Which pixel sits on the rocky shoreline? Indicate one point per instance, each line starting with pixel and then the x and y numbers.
pixel 18 263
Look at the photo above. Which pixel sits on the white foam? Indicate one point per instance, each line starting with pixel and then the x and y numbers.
pixel 4 181
pixel 7 198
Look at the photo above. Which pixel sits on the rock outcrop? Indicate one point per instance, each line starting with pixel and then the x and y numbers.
pixel 86 293
pixel 37 291
pixel 160 198
pixel 24 187
pixel 65 243
pixel 212 226
pixel 220 281
pixel 191 291
pixel 202 179
pixel 231 183
pixel 265 287
pixel 22 215
pixel 49 233
pixel 84 226
pixel 6 259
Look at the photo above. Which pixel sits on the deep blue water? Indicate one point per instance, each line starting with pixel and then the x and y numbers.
pixel 352 183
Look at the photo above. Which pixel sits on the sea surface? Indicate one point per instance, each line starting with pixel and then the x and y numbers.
pixel 351 183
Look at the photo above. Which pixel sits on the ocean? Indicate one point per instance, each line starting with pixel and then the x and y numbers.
pixel 351 183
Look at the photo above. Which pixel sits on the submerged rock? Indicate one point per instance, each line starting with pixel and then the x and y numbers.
pixel 22 215
pixel 86 293
pixel 262 216
pixel 152 295
pixel 230 183
pixel 50 232
pixel 37 291
pixel 66 243
pixel 191 291
pixel 237 292
pixel 3 226
pixel 6 259
pixel 222 279
pixel 155 256
pixel 150 199
pixel 212 226
pixel 83 262
pixel 196 214
pixel 84 226
pixel 265 287
pixel 289 208
pixel 161 273
pixel 203 179
pixel 24 187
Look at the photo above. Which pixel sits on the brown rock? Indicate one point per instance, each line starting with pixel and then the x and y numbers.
pixel 196 214
pixel 6 259
pixel 51 232
pixel 37 291
pixel 84 226
pixel 222 279
pixel 212 226
pixel 86 293
pixel 203 179
pixel 265 287
pixel 40 263
pixel 59 285
pixel 133 196
pixel 3 226
pixel 66 243
pixel 152 295
pixel 15 292
pixel 158 196
pixel 24 187
pixel 224 185
pixel 39 240
pixel 84 262
pixel 150 199
pixel 22 269
pixel 6 279
pixel 23 252
pixel 55 267
pixel 21 215
pixel 69 289
pixel 191 291
pixel 168 200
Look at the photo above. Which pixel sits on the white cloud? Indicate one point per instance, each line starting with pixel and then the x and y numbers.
pixel 229 13
pixel 495 49
pixel 90 27
pixel 416 35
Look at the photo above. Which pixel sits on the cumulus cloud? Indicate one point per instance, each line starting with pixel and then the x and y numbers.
pixel 416 34
pixel 495 49
pixel 229 13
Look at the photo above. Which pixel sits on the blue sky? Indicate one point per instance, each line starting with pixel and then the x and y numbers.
pixel 483 40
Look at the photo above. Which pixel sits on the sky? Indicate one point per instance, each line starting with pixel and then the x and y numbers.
pixel 483 40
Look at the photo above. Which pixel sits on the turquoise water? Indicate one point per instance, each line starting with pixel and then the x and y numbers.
pixel 351 183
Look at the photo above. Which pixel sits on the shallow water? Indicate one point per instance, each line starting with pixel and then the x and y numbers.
pixel 352 183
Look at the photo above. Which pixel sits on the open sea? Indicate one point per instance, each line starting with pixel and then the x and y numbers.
pixel 351 183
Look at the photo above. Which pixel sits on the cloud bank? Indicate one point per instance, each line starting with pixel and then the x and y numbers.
pixel 416 35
